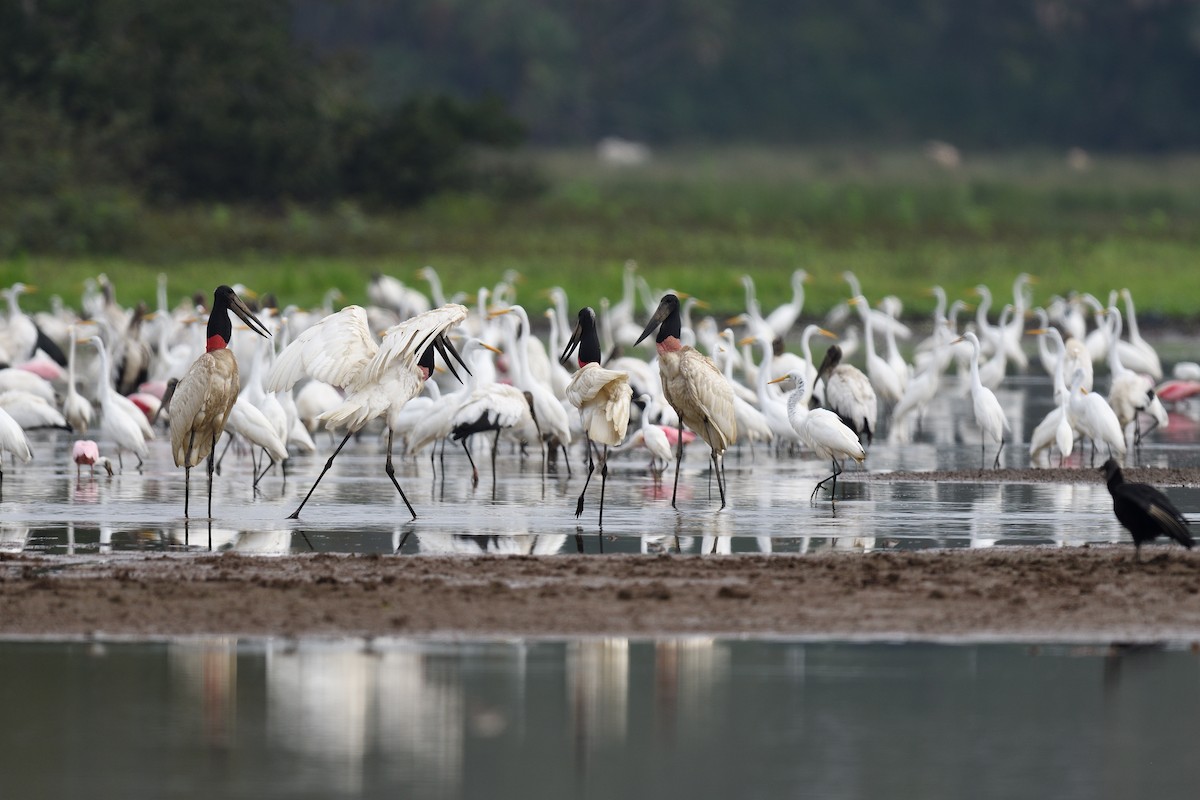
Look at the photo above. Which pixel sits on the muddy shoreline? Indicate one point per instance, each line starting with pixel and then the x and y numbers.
pixel 1036 593
pixel 1157 476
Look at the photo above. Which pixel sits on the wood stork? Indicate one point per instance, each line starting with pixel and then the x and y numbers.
pixel 694 387
pixel 1144 511
pixel 989 416
pixel 340 351
pixel 206 393
pixel 821 430
pixel 848 393
pixel 602 396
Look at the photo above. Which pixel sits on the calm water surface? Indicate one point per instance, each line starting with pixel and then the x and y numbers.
pixel 47 509
pixel 688 717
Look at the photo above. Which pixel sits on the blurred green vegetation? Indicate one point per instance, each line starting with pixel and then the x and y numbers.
pixel 696 220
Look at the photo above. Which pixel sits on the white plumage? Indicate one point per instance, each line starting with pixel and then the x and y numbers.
pixel 824 433
pixel 340 351
pixel 989 416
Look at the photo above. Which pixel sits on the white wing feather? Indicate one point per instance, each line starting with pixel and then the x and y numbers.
pixel 334 351
pixel 406 341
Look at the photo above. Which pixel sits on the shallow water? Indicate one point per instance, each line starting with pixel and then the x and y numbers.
pixel 47 509
pixel 597 717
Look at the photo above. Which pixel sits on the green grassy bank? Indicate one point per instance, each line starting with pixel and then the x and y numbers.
pixel 696 221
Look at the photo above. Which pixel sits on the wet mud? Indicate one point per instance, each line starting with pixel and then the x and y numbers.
pixel 1090 592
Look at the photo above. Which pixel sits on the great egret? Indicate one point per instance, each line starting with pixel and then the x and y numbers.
pixel 822 431
pixel 694 387
pixel 989 416
pixel 1144 511
pixel 1094 418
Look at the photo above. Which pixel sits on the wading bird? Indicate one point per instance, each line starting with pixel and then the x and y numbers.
pixel 85 451
pixel 848 393
pixel 120 420
pixel 1144 511
pixel 822 431
pixel 602 396
pixel 694 387
pixel 206 393
pixel 12 440
pixel 340 351
pixel 988 413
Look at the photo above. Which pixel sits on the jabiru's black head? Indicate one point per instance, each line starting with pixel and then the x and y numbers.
pixel 219 326
pixel 441 344
pixel 585 337
pixel 666 318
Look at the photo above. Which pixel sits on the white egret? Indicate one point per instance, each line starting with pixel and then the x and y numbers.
pixel 988 413
pixel 822 431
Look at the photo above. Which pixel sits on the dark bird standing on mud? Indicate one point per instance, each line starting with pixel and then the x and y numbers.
pixel 1144 511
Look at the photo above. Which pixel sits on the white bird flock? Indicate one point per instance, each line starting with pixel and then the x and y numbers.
pixel 371 369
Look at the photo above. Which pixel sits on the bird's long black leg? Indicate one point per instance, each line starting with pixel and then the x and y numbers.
pixel 474 469
pixel 716 459
pixel 566 459
pixel 982 451
pixel 603 481
pixel 495 447
pixel 221 460
pixel 837 470
pixel 678 461
pixel 996 463
pixel 391 473
pixel 260 475
pixel 211 465
pixel 296 514
pixel 591 465
pixel 187 472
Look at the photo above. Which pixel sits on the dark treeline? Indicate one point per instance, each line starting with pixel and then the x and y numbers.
pixel 1105 74
pixel 106 105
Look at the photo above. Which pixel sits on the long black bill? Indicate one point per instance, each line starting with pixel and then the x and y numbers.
pixel 446 348
pixel 239 307
pixel 660 314
pixel 576 335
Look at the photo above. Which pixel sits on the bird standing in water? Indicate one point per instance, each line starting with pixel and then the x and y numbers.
pixel 1144 511
pixel 602 396
pixel 694 387
pixel 205 395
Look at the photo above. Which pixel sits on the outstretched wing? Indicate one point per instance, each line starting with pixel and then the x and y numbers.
pixel 334 351
pixel 403 343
